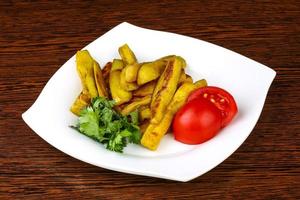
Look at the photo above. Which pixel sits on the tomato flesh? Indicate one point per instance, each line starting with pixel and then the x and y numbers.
pixel 207 110
pixel 222 99
pixel 196 122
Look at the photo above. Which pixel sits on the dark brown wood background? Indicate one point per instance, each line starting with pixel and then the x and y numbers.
pixel 36 38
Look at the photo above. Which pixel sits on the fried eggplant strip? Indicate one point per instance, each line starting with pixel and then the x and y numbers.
pixel 155 132
pixel 145 90
pixel 144 113
pixel 105 72
pixel 131 72
pixel 143 125
pixel 182 77
pixel 127 55
pixel 188 79
pixel 126 85
pixel 150 71
pixel 136 104
pixel 117 64
pixel 118 94
pixel 99 79
pixel 170 57
pixel 81 101
pixel 85 68
pixel 165 89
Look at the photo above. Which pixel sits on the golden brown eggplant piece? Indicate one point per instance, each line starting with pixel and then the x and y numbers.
pixel 150 71
pixel 126 85
pixel 85 68
pixel 188 79
pixel 183 63
pixel 182 77
pixel 201 83
pixel 143 125
pixel 131 72
pixel 144 113
pixel 136 104
pixel 127 55
pixel 118 94
pixel 105 71
pixel 117 64
pixel 81 101
pixel 155 132
pixel 182 94
pixel 145 90
pixel 100 83
pixel 170 57
pixel 165 89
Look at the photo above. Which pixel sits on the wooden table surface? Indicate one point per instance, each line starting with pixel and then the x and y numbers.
pixel 37 38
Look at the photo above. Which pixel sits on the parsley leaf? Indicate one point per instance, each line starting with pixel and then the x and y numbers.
pixel 134 117
pixel 102 123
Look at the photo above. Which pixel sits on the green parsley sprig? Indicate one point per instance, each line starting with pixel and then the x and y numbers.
pixel 105 125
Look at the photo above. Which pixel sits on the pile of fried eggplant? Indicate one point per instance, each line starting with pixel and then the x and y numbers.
pixel 157 89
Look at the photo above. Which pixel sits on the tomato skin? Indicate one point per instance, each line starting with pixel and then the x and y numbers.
pixel 196 122
pixel 222 99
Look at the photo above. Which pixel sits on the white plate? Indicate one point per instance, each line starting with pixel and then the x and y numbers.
pixel 247 80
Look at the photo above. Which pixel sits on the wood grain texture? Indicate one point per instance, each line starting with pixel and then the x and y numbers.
pixel 36 38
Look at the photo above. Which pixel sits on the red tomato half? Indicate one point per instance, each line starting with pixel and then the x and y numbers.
pixel 196 122
pixel 220 98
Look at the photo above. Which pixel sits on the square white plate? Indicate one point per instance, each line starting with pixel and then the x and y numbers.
pixel 247 80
